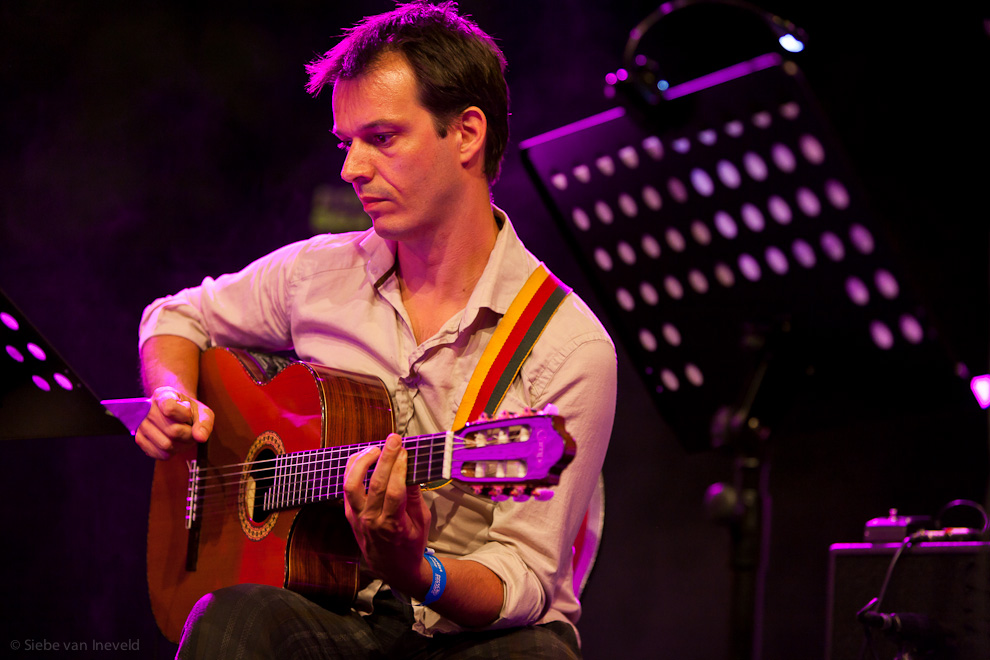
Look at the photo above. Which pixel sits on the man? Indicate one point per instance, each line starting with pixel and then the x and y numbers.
pixel 420 105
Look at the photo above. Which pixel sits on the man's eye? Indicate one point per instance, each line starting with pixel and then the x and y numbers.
pixel 382 139
pixel 344 145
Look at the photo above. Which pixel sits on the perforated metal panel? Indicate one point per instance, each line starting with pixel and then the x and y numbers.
pixel 728 212
pixel 40 395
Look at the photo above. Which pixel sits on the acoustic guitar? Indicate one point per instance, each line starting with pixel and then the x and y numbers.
pixel 260 502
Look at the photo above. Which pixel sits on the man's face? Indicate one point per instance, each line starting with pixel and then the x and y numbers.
pixel 405 175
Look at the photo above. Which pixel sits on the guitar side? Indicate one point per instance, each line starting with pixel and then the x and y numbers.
pixel 309 550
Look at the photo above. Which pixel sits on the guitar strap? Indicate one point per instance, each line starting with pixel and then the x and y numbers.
pixel 510 345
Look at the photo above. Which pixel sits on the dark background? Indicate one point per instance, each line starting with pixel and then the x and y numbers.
pixel 147 145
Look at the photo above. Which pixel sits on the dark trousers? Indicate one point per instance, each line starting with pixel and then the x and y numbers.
pixel 253 621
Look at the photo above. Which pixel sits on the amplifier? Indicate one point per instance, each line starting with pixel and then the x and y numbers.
pixel 941 589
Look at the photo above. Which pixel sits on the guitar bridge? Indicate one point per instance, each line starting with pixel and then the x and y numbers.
pixel 192 493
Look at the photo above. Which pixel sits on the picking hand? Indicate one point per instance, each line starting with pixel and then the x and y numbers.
pixel 175 420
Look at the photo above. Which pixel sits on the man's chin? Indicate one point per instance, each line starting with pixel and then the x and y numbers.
pixel 392 228
pixel 386 226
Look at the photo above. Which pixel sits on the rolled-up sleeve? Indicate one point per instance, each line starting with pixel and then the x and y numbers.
pixel 529 544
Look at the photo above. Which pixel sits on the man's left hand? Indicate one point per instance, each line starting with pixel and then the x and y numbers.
pixel 389 518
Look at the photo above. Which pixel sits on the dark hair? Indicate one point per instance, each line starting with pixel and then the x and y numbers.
pixel 456 65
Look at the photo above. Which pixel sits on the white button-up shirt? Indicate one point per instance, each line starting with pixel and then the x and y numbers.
pixel 335 300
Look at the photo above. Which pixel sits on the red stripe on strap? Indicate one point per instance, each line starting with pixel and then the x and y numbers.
pixel 508 349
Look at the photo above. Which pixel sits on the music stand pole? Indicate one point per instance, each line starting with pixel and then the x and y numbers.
pixel 744 506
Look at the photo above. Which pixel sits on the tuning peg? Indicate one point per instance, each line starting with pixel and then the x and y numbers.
pixel 520 494
pixel 550 409
pixel 542 494
pixel 497 494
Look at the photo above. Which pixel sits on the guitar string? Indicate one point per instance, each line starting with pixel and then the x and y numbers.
pixel 229 475
pixel 215 503
pixel 315 460
pixel 296 486
pixel 222 505
pixel 301 477
pixel 222 501
pixel 313 480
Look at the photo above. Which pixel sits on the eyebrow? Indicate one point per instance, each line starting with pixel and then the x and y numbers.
pixel 369 127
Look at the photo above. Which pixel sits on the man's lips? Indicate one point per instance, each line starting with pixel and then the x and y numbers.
pixel 370 200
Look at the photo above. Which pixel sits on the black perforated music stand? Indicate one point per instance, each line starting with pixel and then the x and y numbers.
pixel 40 395
pixel 741 266
pixel 733 214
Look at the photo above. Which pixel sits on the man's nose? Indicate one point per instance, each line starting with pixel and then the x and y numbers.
pixel 357 166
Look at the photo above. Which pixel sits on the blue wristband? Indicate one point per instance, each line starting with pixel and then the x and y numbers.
pixel 439 578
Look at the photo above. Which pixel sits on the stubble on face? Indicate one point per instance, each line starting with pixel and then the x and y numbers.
pixel 403 172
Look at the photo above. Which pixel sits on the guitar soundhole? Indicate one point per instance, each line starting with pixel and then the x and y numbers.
pixel 260 479
pixel 257 480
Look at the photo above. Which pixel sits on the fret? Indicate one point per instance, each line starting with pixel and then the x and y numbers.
pixel 293 494
pixel 307 477
pixel 414 473
pixel 341 464
pixel 300 490
pixel 289 484
pixel 279 486
pixel 282 501
pixel 296 470
pixel 293 482
pixel 272 495
pixel 329 475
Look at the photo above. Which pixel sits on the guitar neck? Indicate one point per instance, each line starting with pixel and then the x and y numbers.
pixel 317 475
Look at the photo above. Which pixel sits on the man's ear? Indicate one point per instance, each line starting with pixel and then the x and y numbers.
pixel 473 128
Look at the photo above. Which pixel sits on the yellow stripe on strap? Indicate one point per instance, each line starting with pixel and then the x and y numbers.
pixel 495 344
pixel 509 345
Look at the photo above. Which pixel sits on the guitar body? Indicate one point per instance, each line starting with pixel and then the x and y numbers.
pixel 311 549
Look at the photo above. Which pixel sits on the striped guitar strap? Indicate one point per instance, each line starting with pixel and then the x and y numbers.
pixel 510 345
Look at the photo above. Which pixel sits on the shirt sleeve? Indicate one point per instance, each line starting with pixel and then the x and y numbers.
pixel 529 544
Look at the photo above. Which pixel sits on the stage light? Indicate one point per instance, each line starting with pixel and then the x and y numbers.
pixel 981 390
pixel 790 43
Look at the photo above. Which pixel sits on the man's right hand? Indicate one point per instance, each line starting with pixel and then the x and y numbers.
pixel 174 421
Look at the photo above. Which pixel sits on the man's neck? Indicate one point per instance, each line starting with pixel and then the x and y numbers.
pixel 438 275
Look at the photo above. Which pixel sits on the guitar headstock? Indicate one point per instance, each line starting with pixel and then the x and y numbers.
pixel 516 456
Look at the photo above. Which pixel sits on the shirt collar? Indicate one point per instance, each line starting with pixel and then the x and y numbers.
pixel 380 256
pixel 509 266
pixel 507 270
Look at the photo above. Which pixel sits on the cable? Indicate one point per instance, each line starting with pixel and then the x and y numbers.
pixel 967 503
pixel 874 604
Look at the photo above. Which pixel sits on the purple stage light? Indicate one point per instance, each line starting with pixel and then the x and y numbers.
pixel 981 390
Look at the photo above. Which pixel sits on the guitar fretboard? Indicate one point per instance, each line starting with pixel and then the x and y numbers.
pixel 317 475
